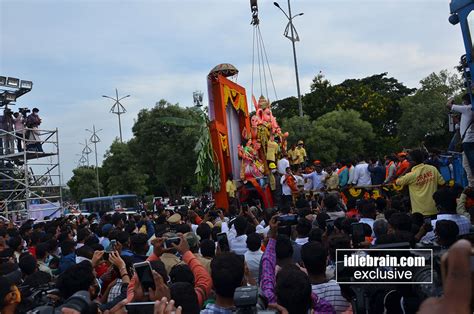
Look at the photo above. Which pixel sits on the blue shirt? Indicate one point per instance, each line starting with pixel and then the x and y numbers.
pixel 377 174
pixel 66 261
pixel 316 179
pixel 344 177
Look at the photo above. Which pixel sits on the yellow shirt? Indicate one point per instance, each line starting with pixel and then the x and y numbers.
pixel 422 181
pixel 300 153
pixel 272 149
pixel 332 182
pixel 230 188
pixel 292 156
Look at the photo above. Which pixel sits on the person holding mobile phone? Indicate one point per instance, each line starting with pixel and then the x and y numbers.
pixel 203 281
pixel 236 236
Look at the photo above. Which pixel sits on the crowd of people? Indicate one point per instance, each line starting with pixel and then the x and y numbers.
pixel 196 258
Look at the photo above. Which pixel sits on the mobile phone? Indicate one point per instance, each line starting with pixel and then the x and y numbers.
pixel 223 242
pixel 288 219
pixel 358 234
pixel 427 222
pixel 169 242
pixel 111 247
pixel 143 271
pixel 140 307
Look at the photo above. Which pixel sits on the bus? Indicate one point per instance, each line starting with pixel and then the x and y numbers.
pixel 127 203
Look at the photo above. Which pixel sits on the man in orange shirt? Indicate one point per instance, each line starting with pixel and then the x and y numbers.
pixel 403 164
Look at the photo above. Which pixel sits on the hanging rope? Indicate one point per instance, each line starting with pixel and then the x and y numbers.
pixel 258 47
pixel 253 60
pixel 263 62
pixel 259 65
pixel 268 65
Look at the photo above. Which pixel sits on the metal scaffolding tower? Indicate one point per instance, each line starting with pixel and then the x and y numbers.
pixel 30 180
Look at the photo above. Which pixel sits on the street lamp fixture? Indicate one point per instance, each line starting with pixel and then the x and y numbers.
pixel 291 33
pixel 95 139
pixel 9 97
pixel 26 85
pixel 197 98
pixel 13 82
pixel 118 109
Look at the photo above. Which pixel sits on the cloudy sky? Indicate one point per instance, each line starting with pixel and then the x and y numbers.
pixel 76 51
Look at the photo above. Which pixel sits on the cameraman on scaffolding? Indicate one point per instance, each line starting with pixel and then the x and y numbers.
pixel 32 134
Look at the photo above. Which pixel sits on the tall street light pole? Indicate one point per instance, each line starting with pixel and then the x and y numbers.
pixel 95 139
pixel 86 151
pixel 293 37
pixel 118 109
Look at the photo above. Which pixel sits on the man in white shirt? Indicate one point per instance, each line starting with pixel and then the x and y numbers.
pixel 236 235
pixel 283 163
pixel 467 135
pixel 362 174
pixel 254 254
pixel 288 186
pixel 303 228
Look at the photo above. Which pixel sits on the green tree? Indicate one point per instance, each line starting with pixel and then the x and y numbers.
pixel 165 152
pixel 297 127
pixel 375 97
pixel 340 134
pixel 83 183
pixel 120 172
pixel 424 115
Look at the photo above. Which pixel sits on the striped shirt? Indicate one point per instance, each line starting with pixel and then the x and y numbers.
pixel 463 223
pixel 115 291
pixel 331 292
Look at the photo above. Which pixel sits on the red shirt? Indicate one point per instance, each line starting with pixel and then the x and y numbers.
pixel 32 250
pixel 353 213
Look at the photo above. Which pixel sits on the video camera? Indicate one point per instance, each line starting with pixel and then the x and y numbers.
pixel 79 301
pixel 248 301
pixel 24 111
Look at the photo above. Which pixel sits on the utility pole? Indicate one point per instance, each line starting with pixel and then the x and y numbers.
pixel 95 139
pixel 293 37
pixel 118 109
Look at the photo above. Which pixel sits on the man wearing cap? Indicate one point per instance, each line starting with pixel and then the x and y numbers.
pixel 174 219
pixel 33 121
pixel 274 178
pixel 300 153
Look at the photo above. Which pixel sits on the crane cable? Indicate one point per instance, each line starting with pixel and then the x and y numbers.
pixel 262 56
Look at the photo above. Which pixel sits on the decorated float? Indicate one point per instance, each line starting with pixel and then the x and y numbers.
pixel 244 144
